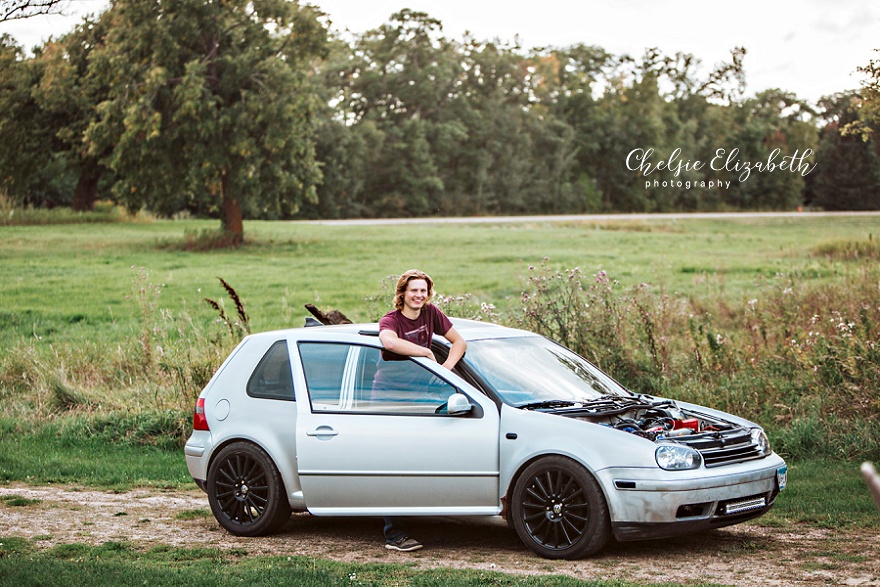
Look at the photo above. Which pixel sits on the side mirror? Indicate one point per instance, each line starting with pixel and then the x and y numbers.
pixel 458 404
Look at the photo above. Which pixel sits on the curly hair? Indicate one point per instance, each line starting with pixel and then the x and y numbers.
pixel 404 280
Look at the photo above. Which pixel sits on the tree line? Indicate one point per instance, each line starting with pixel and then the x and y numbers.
pixel 256 109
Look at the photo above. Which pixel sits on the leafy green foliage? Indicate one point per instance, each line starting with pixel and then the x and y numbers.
pixel 207 109
pixel 849 178
pixel 239 110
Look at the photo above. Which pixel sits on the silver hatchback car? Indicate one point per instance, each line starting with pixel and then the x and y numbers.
pixel 313 419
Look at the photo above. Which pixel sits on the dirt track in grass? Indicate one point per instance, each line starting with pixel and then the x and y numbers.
pixel 747 555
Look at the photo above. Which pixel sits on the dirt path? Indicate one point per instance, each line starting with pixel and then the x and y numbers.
pixel 746 555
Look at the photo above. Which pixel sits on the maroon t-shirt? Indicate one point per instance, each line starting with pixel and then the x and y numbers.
pixel 418 331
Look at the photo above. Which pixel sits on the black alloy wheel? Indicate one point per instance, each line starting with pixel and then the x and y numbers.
pixel 559 510
pixel 246 491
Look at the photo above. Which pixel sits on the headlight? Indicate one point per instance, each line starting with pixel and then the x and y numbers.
pixel 675 457
pixel 760 439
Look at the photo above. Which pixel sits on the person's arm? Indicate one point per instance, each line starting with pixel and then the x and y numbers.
pixel 459 346
pixel 397 345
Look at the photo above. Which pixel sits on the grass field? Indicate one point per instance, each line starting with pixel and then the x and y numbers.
pixel 104 338
pixel 119 564
pixel 68 282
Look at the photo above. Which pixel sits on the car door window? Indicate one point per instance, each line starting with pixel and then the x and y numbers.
pixel 355 379
pixel 272 378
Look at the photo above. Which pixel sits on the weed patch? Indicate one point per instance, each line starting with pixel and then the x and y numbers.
pixel 801 359
pixel 849 250
pixel 18 501
pixel 201 514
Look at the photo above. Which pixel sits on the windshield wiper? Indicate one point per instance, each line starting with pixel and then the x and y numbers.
pixel 610 405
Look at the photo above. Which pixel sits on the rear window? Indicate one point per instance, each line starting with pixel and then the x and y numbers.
pixel 272 379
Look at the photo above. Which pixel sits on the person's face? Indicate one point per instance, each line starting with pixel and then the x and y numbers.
pixel 416 294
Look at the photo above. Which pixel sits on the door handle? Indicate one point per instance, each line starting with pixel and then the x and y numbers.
pixel 322 433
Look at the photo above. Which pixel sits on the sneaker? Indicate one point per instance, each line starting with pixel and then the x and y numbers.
pixel 403 544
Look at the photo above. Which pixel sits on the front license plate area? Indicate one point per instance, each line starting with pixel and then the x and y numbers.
pixel 782 477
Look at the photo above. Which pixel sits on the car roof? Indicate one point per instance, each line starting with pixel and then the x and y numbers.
pixel 470 330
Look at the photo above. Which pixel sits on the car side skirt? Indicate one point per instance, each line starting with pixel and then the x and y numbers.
pixel 406 511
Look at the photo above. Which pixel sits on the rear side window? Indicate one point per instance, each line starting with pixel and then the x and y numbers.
pixel 272 379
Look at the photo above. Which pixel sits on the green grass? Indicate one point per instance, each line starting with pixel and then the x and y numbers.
pixel 120 564
pixel 82 405
pixel 69 282
pixel 824 494
pixel 77 452
pixel 18 501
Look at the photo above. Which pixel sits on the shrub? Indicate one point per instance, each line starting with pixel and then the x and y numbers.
pixel 800 359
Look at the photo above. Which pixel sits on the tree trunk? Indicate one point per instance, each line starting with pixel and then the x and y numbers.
pixel 86 191
pixel 232 221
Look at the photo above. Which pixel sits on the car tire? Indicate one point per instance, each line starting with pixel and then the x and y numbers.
pixel 558 509
pixel 246 491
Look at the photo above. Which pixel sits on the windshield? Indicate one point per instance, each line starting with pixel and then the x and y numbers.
pixel 533 370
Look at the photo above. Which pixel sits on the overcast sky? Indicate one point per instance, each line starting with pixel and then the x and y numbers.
pixel 809 47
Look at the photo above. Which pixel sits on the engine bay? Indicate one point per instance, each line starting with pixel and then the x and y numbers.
pixel 645 416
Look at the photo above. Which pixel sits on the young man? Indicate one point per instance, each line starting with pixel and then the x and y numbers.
pixel 408 331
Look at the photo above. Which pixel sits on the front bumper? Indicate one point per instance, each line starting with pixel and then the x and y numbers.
pixel 656 504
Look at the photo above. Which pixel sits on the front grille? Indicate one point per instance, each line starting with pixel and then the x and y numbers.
pixel 724 447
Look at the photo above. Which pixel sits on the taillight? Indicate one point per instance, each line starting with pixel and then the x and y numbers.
pixel 200 422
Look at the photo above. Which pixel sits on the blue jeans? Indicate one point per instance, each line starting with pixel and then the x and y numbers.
pixel 395 529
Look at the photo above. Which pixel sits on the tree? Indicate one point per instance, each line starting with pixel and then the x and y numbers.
pixel 772 120
pixel 209 108
pixel 18 9
pixel 16 106
pixel 68 95
pixel 399 81
pixel 847 175
pixel 29 171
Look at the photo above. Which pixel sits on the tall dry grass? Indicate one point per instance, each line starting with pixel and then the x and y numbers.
pixel 159 368
pixel 799 358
